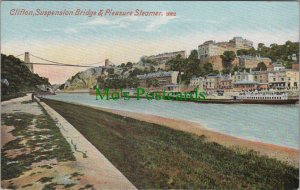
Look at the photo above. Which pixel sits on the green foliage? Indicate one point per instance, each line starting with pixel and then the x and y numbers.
pixel 18 75
pixel 152 62
pixel 110 71
pixel 280 53
pixel 236 68
pixel 177 64
pixel 226 71
pixel 136 71
pixel 152 69
pixel 129 64
pixel 116 82
pixel 208 68
pixel 228 56
pixel 42 145
pixel 181 65
pixel 192 67
pixel 251 52
pixel 261 66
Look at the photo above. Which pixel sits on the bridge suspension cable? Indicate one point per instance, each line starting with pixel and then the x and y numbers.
pixel 66 65
pixel 63 64
pixel 19 55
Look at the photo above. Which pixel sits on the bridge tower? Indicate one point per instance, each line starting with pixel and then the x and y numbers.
pixel 27 61
pixel 106 62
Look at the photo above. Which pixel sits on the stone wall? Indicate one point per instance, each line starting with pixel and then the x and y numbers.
pixel 218 62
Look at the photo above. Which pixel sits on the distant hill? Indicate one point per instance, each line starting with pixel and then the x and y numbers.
pixel 18 76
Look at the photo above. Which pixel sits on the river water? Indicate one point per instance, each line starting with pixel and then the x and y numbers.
pixel 276 124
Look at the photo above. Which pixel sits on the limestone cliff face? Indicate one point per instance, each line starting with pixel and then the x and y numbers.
pixel 85 79
pixel 88 78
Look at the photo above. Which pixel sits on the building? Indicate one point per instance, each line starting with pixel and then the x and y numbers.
pixel 277 79
pixel 292 78
pixel 209 49
pixel 171 88
pixel 245 85
pixel 284 79
pixel 241 43
pixel 277 66
pixel 163 78
pixel 165 57
pixel 261 76
pixel 251 62
pixel 225 82
pixel 244 81
pixel 197 82
pixel 295 66
pixel 212 82
pixel 210 52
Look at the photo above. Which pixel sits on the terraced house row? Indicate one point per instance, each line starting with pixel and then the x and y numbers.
pixel 282 79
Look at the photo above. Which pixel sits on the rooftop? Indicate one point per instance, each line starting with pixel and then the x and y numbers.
pixel 156 74
pixel 245 82
pixel 249 57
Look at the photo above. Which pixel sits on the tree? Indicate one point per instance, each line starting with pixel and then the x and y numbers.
pixel 260 45
pixel 192 67
pixel 226 71
pixel 129 64
pixel 155 83
pixel 250 51
pixel 236 68
pixel 208 68
pixel 242 52
pixel 135 72
pixel 152 69
pixel 149 82
pixel 228 56
pixel 177 64
pixel 261 66
pixel 110 71
pixel 193 55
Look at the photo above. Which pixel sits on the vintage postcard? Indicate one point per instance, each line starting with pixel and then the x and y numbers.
pixel 149 95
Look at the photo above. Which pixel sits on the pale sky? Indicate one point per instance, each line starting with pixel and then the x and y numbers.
pixel 85 40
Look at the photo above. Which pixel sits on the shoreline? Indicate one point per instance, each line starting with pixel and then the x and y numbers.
pixel 286 154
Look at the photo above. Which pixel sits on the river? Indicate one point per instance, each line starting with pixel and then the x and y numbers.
pixel 276 124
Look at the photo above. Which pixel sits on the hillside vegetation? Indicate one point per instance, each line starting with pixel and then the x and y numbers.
pixel 19 77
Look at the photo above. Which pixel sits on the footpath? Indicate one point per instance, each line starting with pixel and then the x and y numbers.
pixel 41 150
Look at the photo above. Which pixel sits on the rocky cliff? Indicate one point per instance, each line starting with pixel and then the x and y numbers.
pixel 84 79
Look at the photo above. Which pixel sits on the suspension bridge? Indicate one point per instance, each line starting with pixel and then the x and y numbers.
pixel 48 62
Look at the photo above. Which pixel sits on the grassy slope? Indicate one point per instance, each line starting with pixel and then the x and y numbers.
pixel 153 156
pixel 19 77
